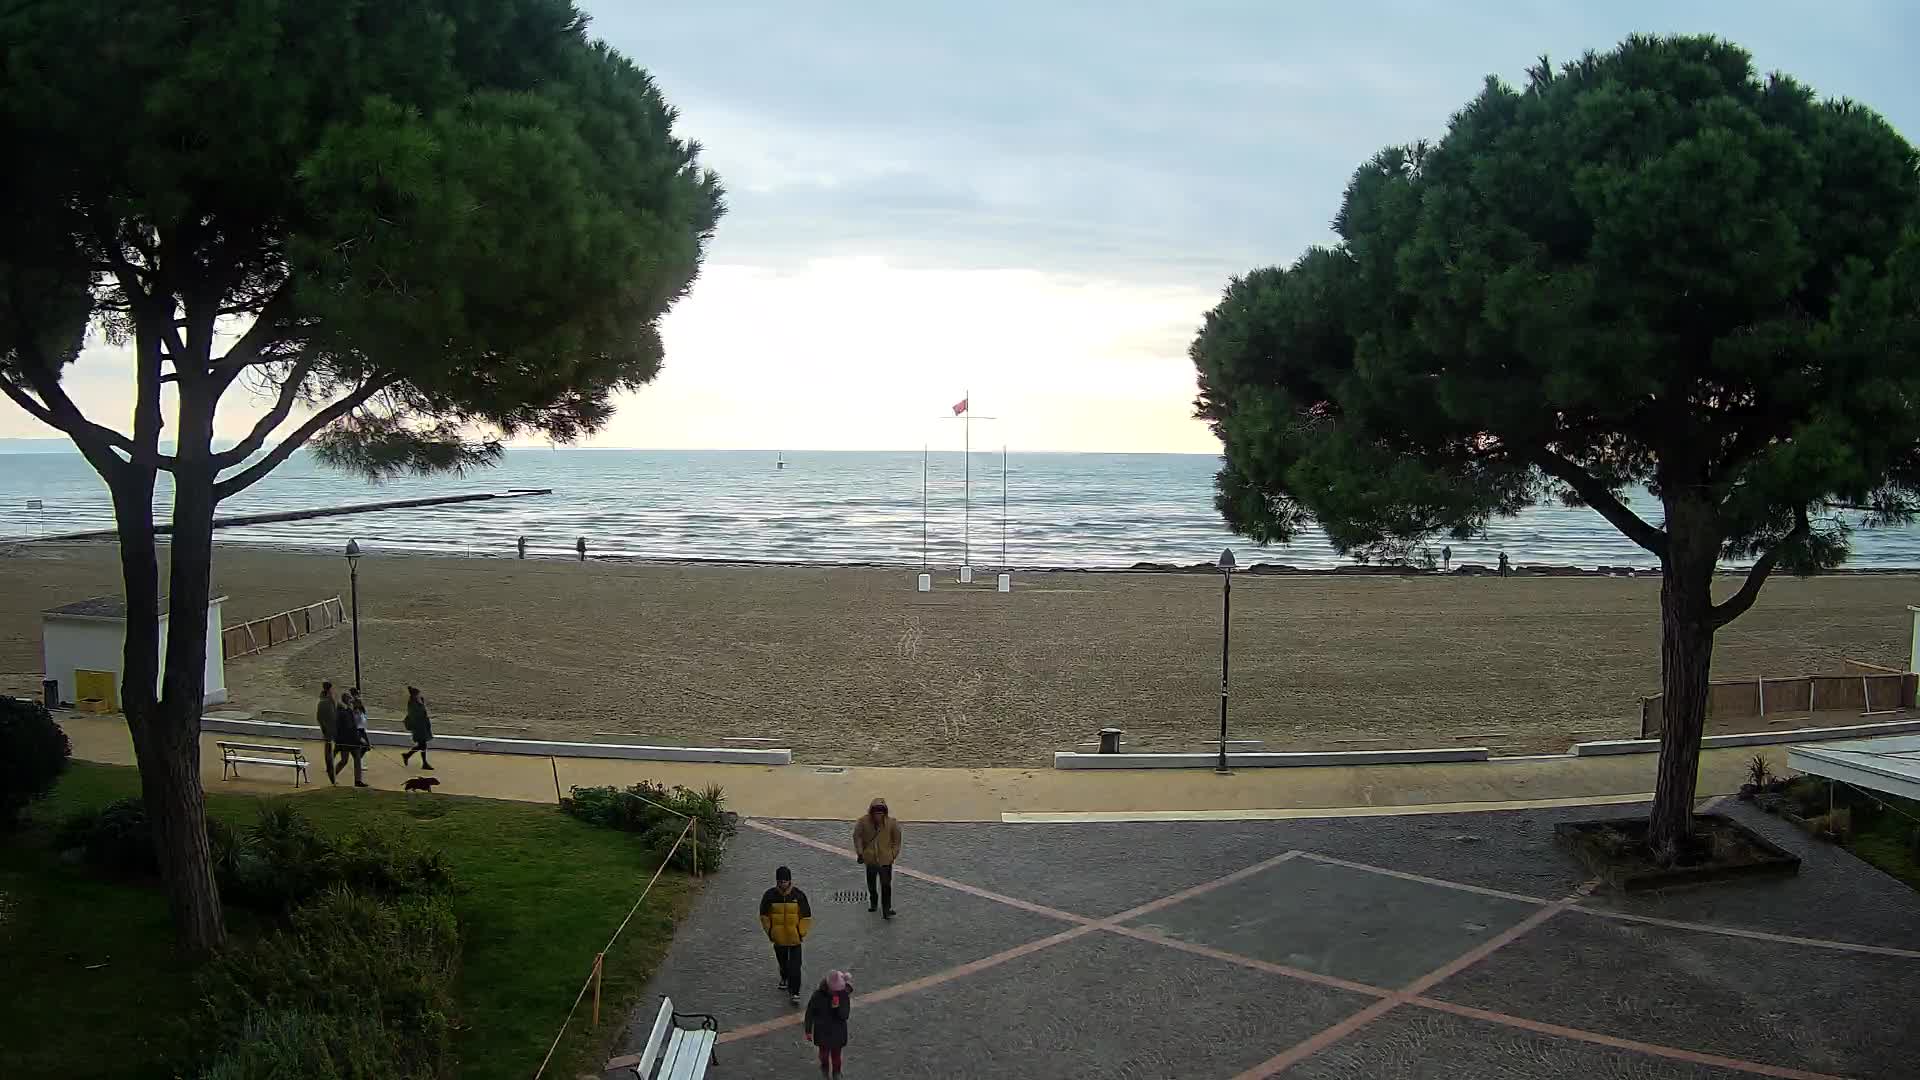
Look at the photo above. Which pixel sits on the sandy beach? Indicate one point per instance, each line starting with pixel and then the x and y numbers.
pixel 850 665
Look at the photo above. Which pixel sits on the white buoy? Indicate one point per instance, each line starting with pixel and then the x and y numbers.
pixel 925 583
pixel 966 575
pixel 1004 583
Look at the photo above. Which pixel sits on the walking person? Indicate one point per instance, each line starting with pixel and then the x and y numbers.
pixel 580 546
pixel 826 1023
pixel 1505 566
pixel 1446 558
pixel 326 715
pixel 786 917
pixel 346 741
pixel 523 547
pixel 419 726
pixel 876 844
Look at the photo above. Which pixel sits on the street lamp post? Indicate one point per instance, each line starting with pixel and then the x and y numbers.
pixel 353 579
pixel 1226 627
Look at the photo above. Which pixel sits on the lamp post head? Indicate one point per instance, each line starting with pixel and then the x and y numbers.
pixel 1226 560
pixel 353 551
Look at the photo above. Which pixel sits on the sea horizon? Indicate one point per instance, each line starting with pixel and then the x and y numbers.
pixel 1061 509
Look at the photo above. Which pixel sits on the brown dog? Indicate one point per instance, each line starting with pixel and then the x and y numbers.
pixel 420 783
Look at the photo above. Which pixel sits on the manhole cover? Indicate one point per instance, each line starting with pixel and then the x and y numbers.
pixel 849 896
pixel 829 768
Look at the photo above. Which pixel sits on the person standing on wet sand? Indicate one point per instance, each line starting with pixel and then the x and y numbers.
pixel 876 844
pixel 1506 567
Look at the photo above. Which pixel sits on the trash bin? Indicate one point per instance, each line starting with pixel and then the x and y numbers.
pixel 1110 740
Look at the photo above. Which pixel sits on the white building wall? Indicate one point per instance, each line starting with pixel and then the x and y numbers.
pixel 71 644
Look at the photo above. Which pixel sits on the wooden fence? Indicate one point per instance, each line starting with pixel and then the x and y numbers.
pixel 252 637
pixel 1862 693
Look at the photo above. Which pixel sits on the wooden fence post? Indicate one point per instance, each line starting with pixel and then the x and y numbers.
pixel 599 961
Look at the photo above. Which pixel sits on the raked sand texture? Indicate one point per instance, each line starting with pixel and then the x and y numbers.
pixel 853 666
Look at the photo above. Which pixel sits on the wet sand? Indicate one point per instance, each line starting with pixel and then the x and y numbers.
pixel 851 665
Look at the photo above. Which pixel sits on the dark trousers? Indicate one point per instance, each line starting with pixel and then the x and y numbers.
pixel 880 886
pixel 356 751
pixel 788 957
pixel 830 1055
pixel 419 747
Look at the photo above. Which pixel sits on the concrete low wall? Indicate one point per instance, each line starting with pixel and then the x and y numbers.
pixel 1073 760
pixel 1606 747
pixel 534 747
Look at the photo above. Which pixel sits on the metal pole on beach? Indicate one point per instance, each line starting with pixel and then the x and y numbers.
pixel 1226 627
pixel 353 587
pixel 966 454
pixel 1003 506
pixel 923 506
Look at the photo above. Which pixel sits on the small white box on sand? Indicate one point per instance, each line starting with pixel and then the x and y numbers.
pixel 925 583
pixel 1004 583
pixel 966 575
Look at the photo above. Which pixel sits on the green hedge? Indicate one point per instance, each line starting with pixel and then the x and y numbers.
pixel 358 987
pixel 33 754
pixel 658 814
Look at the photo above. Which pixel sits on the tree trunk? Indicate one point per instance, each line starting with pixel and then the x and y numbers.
pixel 1686 663
pixel 170 771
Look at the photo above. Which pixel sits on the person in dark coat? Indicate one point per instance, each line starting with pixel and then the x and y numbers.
pixel 419 726
pixel 347 745
pixel 786 916
pixel 325 716
pixel 827 1015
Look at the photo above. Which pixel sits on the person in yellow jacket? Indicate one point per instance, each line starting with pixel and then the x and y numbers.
pixel 876 844
pixel 786 917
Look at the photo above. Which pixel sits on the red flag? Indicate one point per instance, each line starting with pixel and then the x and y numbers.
pixel 961 407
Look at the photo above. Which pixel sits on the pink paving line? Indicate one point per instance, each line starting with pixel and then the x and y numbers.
pixel 1756 935
pixel 1672 1053
pixel 1606 913
pixel 957 886
pixel 1186 894
pixel 923 983
pixel 1319 1041
pixel 1208 951
pixel 1423 879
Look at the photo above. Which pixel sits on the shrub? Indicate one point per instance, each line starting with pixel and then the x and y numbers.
pixel 658 814
pixel 1809 796
pixel 115 837
pixel 1835 825
pixel 33 754
pixel 283 861
pixel 357 987
pixel 1759 771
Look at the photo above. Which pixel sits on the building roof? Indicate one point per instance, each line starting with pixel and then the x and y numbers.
pixel 106 607
pixel 1890 763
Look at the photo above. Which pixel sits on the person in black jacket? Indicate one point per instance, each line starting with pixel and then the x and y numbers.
pixel 827 1013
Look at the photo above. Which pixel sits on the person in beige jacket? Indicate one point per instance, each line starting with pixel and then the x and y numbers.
pixel 876 843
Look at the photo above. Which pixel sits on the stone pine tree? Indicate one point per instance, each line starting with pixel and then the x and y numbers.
pixel 399 231
pixel 1649 267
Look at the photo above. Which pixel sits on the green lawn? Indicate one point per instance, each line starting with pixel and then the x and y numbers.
pixel 538 895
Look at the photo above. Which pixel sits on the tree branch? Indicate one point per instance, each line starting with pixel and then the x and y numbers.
pixel 1596 495
pixel 1736 605
pixel 265 328
pixel 254 473
pixel 56 410
pixel 282 408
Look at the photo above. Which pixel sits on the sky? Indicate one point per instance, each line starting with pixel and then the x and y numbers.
pixel 1035 203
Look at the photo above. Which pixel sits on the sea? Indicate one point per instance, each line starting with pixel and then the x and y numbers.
pixel 1091 511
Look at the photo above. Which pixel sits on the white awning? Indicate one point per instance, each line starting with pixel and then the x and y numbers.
pixel 1890 764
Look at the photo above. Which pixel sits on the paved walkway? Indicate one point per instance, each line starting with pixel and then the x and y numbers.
pixel 1429 946
pixel 957 794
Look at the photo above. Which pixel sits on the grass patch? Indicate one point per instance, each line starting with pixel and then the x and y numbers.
pixel 537 894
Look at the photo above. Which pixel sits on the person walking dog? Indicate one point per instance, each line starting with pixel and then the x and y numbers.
pixel 420 726
pixel 786 917
pixel 876 844
pixel 826 1024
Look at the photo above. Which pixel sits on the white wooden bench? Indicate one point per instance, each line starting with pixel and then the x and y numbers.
pixel 682 1053
pixel 235 754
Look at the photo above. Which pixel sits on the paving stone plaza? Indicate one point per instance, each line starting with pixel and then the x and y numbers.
pixel 1422 946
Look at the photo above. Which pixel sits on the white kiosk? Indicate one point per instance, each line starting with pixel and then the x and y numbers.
pixel 82 644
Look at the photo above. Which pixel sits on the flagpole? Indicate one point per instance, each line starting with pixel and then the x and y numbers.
pixel 1003 506
pixel 966 497
pixel 923 506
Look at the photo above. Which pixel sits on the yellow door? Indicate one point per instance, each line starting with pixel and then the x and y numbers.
pixel 99 686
